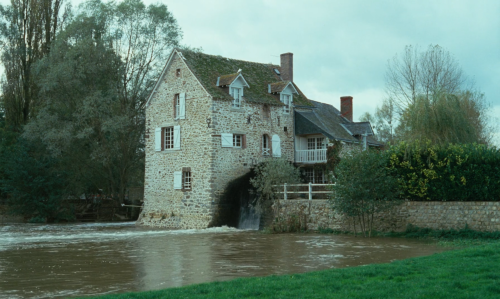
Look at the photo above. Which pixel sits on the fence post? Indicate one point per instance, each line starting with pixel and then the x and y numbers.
pixel 310 191
pixel 285 192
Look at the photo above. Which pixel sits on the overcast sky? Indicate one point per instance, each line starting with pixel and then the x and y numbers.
pixel 342 47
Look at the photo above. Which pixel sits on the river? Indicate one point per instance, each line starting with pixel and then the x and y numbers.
pixel 61 260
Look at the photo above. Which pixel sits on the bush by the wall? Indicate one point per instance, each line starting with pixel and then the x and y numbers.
pixel 465 172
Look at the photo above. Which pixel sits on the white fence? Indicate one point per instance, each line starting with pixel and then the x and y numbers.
pixel 310 190
pixel 310 156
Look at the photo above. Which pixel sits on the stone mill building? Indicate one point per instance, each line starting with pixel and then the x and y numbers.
pixel 210 119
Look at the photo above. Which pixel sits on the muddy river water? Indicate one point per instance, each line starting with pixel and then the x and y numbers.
pixel 47 261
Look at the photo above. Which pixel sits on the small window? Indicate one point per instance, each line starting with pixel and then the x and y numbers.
pixel 266 111
pixel 169 137
pixel 178 73
pixel 286 101
pixel 316 143
pixel 237 140
pixel 236 93
pixel 266 146
pixel 186 180
pixel 177 105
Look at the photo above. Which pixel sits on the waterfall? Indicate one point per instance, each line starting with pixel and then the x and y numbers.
pixel 249 218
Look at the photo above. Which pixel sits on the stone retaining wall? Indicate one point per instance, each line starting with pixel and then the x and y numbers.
pixel 480 216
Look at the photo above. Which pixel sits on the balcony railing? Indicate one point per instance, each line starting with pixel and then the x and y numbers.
pixel 311 156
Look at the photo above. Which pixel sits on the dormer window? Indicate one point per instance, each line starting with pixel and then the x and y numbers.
pixel 236 84
pixel 285 89
pixel 236 93
pixel 287 100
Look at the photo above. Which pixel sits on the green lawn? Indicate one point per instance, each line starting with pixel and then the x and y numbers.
pixel 472 272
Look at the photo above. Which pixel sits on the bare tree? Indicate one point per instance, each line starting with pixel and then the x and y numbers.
pixel 415 73
pixel 383 121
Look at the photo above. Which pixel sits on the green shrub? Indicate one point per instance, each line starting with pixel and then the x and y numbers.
pixel 364 186
pixel 466 172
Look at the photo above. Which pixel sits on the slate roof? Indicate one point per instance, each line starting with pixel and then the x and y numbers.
pixel 359 128
pixel 207 68
pixel 327 120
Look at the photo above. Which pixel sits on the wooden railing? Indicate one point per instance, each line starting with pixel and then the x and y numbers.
pixel 310 156
pixel 310 191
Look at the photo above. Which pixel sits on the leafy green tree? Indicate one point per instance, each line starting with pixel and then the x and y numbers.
pixel 272 173
pixel 33 181
pixel 363 187
pixel 27 30
pixel 94 85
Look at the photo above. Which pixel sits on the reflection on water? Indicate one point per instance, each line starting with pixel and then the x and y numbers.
pixel 41 261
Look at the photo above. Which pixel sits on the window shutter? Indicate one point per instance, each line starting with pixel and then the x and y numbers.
pixel 226 139
pixel 182 104
pixel 276 146
pixel 177 137
pixel 243 141
pixel 177 179
pixel 158 139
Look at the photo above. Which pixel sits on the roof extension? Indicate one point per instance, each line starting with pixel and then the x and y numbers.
pixel 327 120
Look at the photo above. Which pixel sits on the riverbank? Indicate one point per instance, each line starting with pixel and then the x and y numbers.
pixel 472 272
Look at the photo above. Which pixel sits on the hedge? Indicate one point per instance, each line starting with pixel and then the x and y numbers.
pixel 455 172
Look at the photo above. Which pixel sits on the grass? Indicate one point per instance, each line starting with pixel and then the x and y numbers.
pixel 472 272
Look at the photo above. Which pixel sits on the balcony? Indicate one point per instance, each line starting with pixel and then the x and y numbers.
pixel 310 156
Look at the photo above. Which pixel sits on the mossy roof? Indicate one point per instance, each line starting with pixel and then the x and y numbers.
pixel 207 68
pixel 227 79
pixel 279 86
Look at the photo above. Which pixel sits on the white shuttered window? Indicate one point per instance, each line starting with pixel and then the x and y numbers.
pixel 182 106
pixel 226 139
pixel 276 146
pixel 158 145
pixel 177 179
pixel 168 138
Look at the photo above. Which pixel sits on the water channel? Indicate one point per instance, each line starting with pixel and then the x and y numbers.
pixel 49 261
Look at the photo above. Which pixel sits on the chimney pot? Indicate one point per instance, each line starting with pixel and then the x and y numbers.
pixel 287 66
pixel 346 107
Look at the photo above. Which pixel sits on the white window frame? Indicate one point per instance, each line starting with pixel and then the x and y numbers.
pixel 236 93
pixel 168 138
pixel 237 140
pixel 187 180
pixel 286 99
pixel 315 143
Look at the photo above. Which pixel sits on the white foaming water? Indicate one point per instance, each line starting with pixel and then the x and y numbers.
pixel 33 235
pixel 249 218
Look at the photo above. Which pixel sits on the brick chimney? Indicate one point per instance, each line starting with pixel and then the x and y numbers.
pixel 346 107
pixel 287 66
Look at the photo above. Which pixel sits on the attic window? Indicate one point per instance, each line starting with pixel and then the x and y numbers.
pixel 236 93
pixel 277 72
pixel 287 100
pixel 178 73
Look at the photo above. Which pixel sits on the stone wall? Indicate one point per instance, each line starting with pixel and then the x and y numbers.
pixel 480 216
pixel 212 166
pixel 165 206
